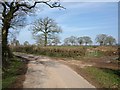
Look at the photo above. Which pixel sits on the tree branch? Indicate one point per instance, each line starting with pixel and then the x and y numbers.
pixel 4 9
pixel 54 5
pixel 7 4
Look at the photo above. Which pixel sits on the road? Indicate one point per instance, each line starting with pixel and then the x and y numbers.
pixel 44 72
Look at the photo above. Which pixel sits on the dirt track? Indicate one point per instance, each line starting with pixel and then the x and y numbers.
pixel 46 73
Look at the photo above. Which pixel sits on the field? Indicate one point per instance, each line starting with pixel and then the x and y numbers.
pixel 69 51
pixel 98 64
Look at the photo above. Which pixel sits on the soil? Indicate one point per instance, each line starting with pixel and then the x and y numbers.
pixel 102 63
pixel 76 65
pixel 45 72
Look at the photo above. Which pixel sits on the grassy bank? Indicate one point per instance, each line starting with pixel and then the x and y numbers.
pixel 106 78
pixel 15 69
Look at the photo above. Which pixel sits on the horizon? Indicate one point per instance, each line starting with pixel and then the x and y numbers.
pixel 78 19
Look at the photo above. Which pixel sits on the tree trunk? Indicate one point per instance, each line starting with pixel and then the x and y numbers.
pixel 80 43
pixel 5 49
pixel 101 43
pixel 4 45
pixel 6 54
pixel 45 40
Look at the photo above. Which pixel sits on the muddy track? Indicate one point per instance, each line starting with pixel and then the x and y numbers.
pixel 44 72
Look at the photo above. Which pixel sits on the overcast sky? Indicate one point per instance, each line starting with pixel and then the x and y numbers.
pixel 79 19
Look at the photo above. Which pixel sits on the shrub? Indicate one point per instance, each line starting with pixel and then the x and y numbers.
pixel 68 51
pixel 52 51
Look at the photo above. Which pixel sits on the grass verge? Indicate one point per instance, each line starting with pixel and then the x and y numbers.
pixel 12 72
pixel 105 78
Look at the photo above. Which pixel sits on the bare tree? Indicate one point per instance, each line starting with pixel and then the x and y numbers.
pixel 87 40
pixel 73 40
pixel 17 43
pixel 55 40
pixel 101 39
pixel 110 40
pixel 13 42
pixel 80 40
pixel 45 27
pixel 9 13
pixel 66 42
pixel 39 40
pixel 26 43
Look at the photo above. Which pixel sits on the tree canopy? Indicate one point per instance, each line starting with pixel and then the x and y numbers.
pixel 87 40
pixel 104 39
pixel 80 40
pixel 45 27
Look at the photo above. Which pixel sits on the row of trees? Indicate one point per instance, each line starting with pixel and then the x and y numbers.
pixel 16 42
pixel 77 41
pixel 46 30
pixel 102 39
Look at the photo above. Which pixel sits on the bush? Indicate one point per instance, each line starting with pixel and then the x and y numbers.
pixel 68 51
pixel 52 51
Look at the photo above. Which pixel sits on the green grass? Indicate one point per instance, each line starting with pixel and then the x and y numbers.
pixel 106 78
pixel 11 73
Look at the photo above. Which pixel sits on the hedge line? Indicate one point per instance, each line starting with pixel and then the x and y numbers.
pixel 76 51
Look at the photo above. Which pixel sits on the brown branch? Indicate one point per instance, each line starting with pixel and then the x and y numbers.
pixel 4 9
pixel 54 5
pixel 26 6
pixel 11 4
pixel 7 4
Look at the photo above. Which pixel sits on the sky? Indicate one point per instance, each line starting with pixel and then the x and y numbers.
pixel 78 19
